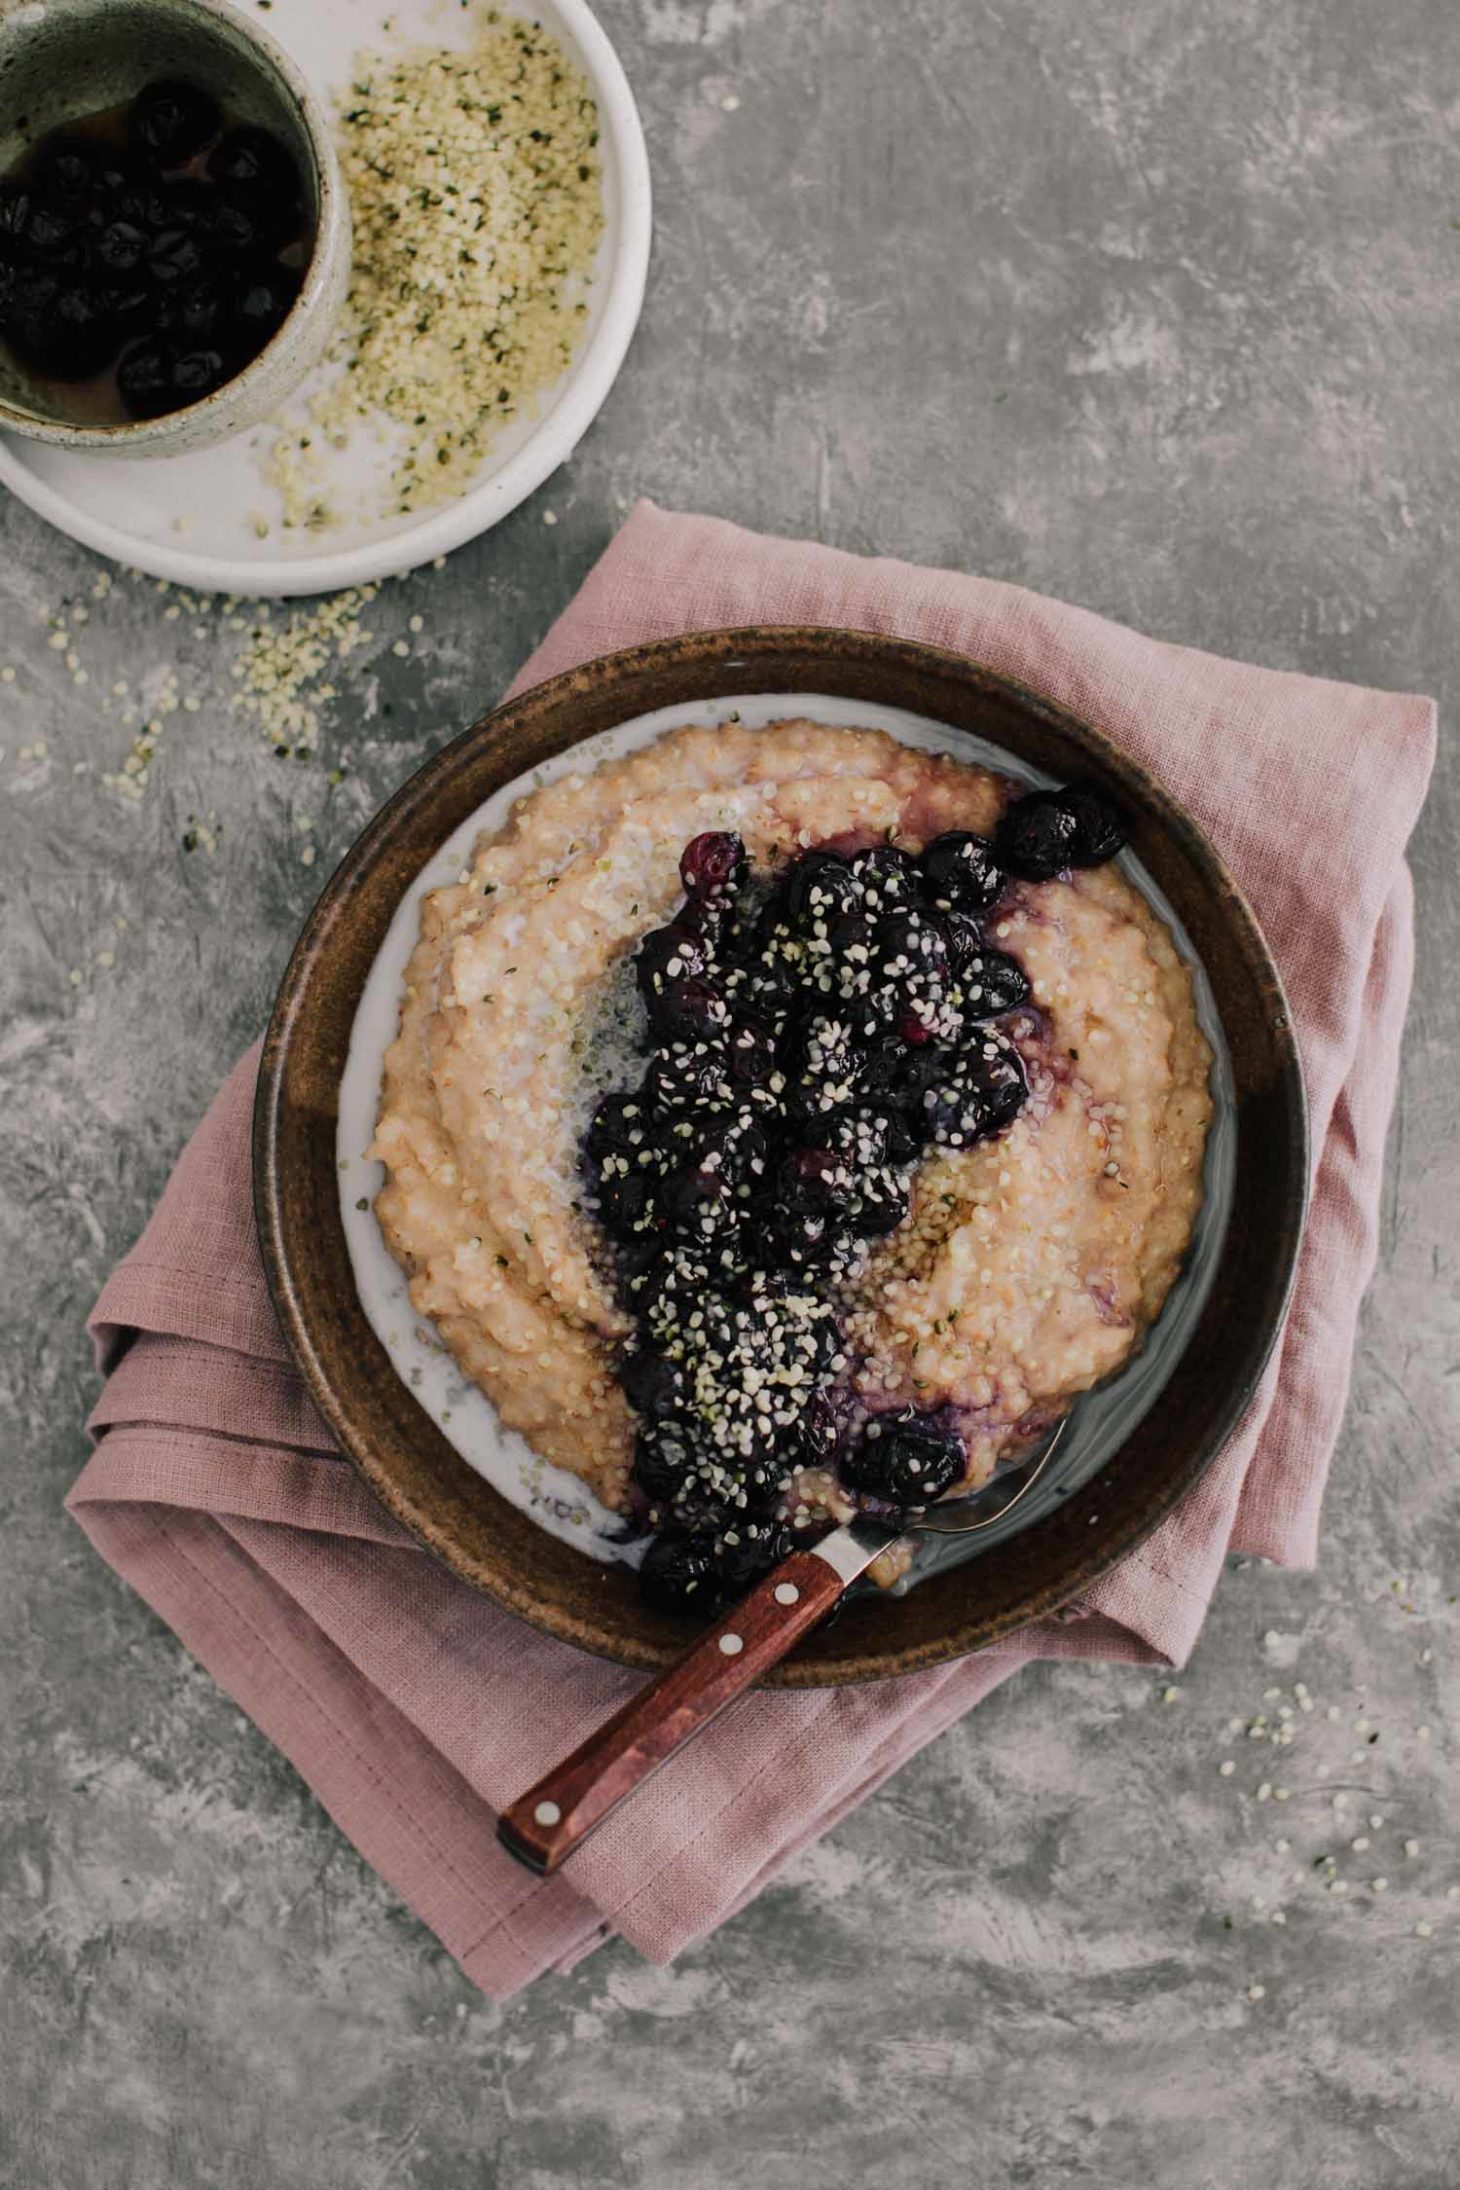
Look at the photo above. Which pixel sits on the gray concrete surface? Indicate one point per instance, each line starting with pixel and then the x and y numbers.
pixel 1148 303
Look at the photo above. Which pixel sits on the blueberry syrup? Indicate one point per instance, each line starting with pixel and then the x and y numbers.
pixel 805 1052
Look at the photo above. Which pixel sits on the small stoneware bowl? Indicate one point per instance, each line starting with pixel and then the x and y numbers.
pixel 62 59
pixel 399 1447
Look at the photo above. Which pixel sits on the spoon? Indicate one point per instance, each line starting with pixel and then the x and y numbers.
pixel 544 1826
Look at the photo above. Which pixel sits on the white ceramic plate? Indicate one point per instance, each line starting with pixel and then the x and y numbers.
pixel 1100 1421
pixel 190 518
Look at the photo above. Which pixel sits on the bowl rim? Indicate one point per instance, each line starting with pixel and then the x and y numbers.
pixel 616 678
pixel 437 531
pixel 141 436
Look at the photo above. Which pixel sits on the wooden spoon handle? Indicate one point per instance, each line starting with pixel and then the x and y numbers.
pixel 544 1826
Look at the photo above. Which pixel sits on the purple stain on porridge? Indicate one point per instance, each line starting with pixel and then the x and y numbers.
pixel 1104 1291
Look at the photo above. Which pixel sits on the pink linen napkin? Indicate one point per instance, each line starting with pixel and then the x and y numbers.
pixel 413 1706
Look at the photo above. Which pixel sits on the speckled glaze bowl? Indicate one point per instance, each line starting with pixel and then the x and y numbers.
pixel 60 59
pixel 398 1447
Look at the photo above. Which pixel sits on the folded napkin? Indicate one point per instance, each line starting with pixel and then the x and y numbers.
pixel 412 1705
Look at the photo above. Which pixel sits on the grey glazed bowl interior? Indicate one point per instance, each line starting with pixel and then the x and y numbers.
pixel 61 59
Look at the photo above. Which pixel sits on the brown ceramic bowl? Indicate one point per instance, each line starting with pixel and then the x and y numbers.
pixel 399 1449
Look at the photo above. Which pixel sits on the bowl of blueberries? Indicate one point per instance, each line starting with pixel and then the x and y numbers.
pixel 174 229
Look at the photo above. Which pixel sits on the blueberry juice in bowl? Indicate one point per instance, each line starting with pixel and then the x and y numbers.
pixel 898 1148
pixel 149 251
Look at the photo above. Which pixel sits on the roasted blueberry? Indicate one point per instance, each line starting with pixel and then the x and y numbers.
pixel 717 921
pixel 807 1240
pixel 66 172
pixel 663 1293
pixel 686 1008
pixel 120 247
pixel 845 1179
pixel 700 1205
pixel 909 941
pixel 625 1204
pixel 733 1146
pixel 14 214
pixel 185 201
pixel 650 1383
pixel 780 1294
pixel 952 1109
pixel 886 877
pixel 688 1076
pixel 965 939
pixel 826 1069
pixel 195 313
pixel 53 235
pixel 817 1181
pixel 904 1140
pixel 665 957
pixel 254 169
pixel 619 1127
pixel 662 1460
pixel 859 1138
pixel 991 983
pixel 175 256
pixel 74 335
pixel 819 1435
pixel 144 379
pixel 961 871
pixel 197 370
pixel 816 892
pixel 846 964
pixel 1037 836
pixel 906 1458
pixel 680 1573
pixel 1099 827
pixel 882 1202
pixel 236 229
pixel 746 1550
pixel 910 977
pixel 767 988
pixel 791 1303
pixel 261 305
pixel 750 1051
pixel 886 1066
pixel 776 968
pixel 27 300
pixel 123 194
pixel 711 865
pixel 994 1068
pixel 170 122
pixel 759 1489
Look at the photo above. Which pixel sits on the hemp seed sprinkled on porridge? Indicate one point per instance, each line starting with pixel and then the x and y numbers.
pixel 474 183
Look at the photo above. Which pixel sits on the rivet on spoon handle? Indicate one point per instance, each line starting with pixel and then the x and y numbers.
pixel 544 1826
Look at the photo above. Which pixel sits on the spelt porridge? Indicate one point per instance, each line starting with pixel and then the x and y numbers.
pixel 784 1121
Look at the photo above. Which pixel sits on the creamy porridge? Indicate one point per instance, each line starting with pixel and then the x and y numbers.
pixel 914 1161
